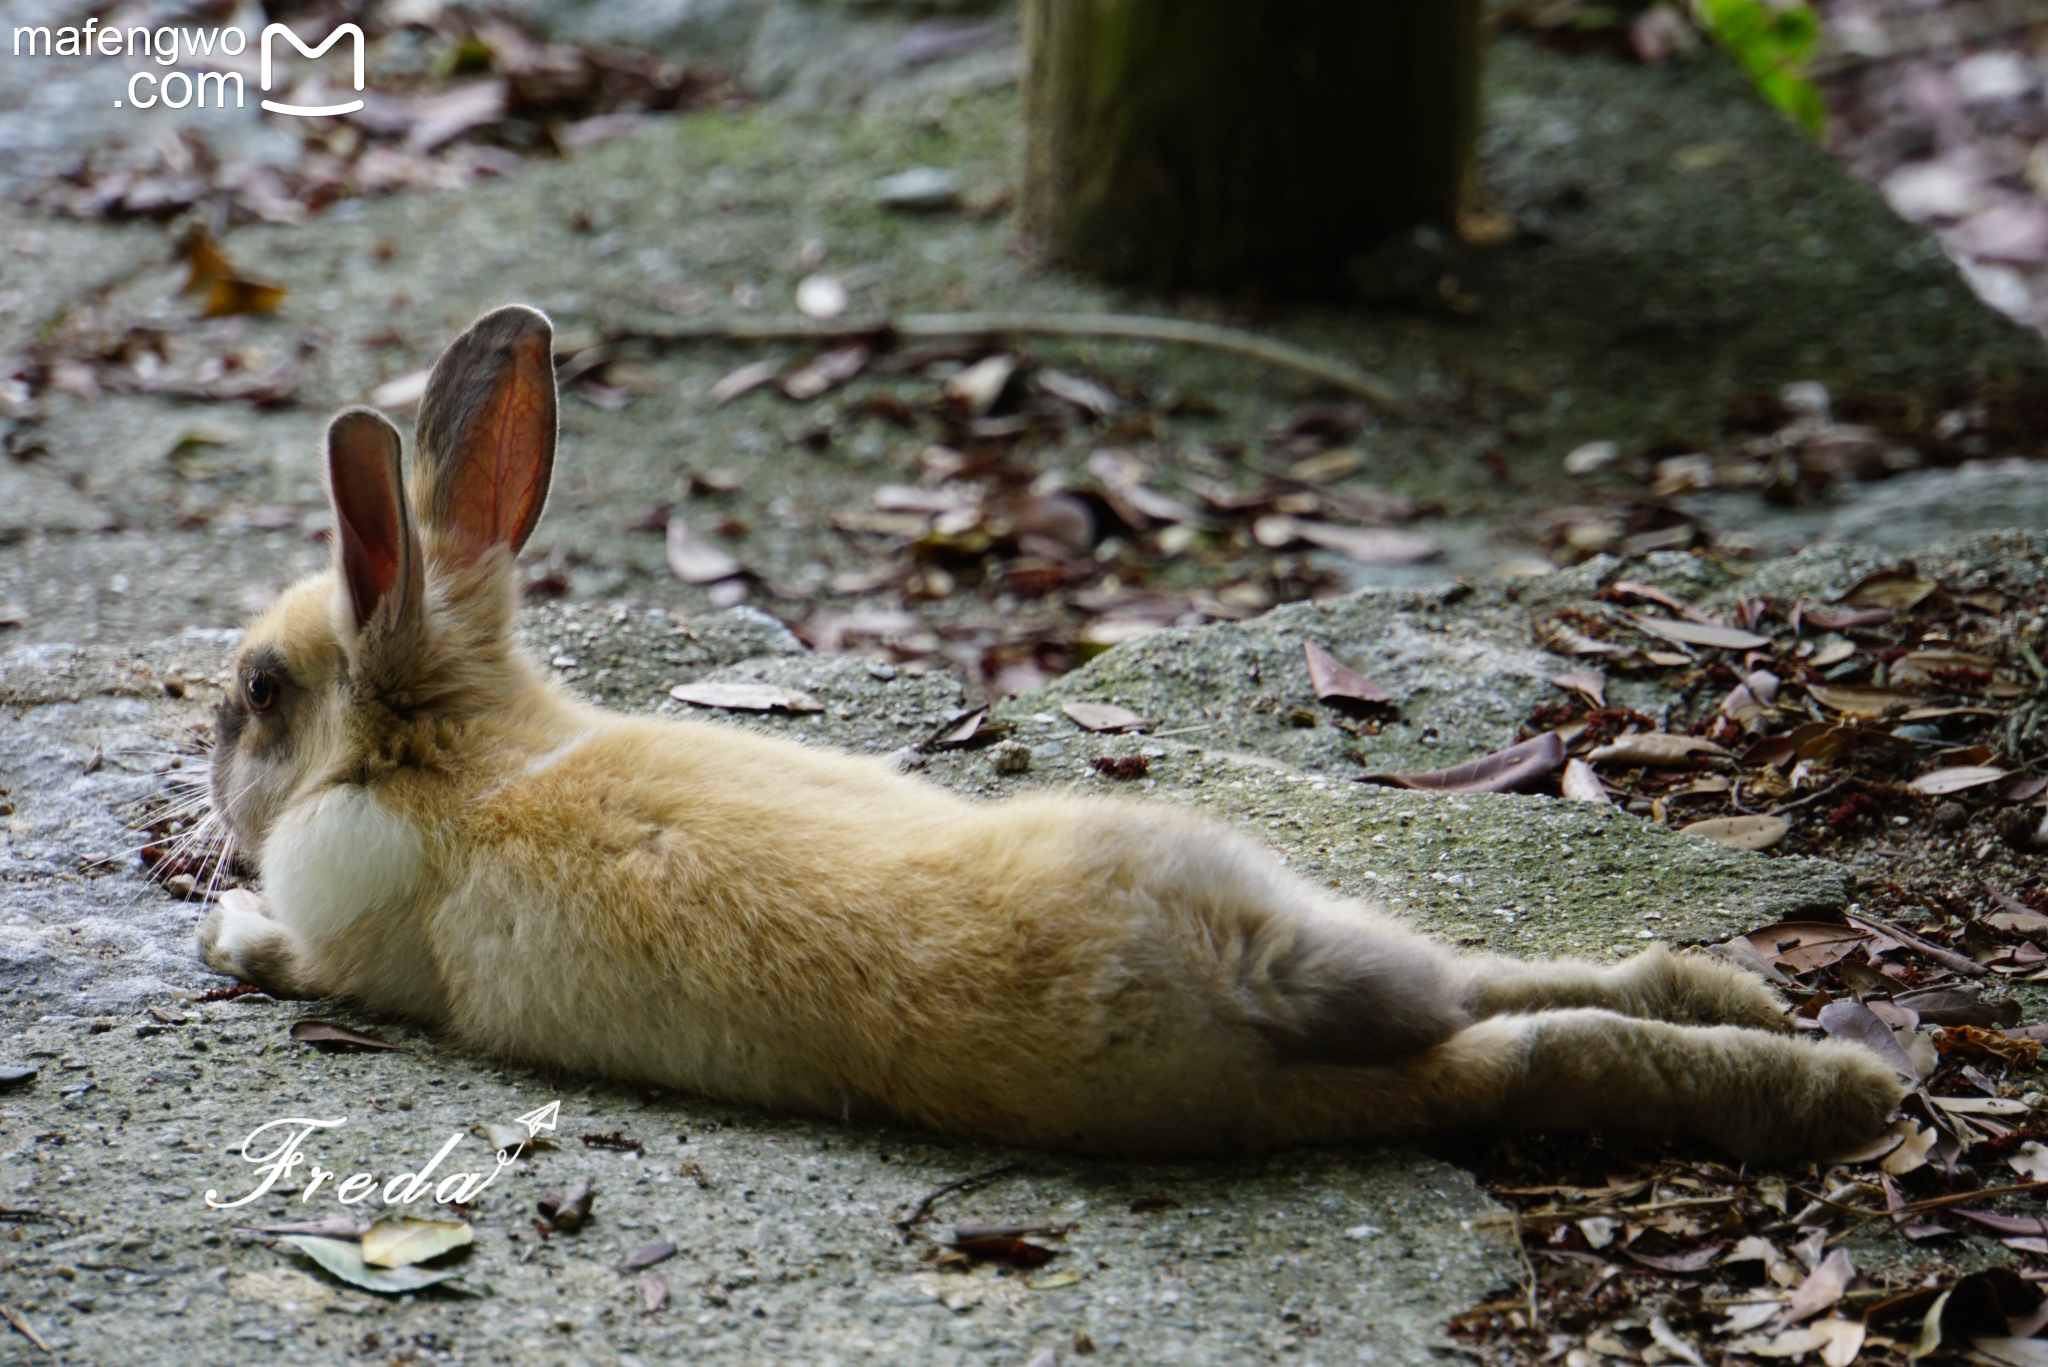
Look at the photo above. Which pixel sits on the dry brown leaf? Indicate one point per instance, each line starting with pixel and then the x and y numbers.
pixel 1654 747
pixel 1334 681
pixel 1893 589
pixel 748 378
pixel 1740 832
pixel 1913 1150
pixel 1590 684
pixel 826 371
pixel 1802 946
pixel 1858 702
pixel 1513 770
pixel 1701 633
pixel 328 1035
pixel 229 296
pixel 1581 784
pixel 650 1255
pixel 1366 545
pixel 1956 779
pixel 1102 716
pixel 1854 1021
pixel 694 561
pixel 976 389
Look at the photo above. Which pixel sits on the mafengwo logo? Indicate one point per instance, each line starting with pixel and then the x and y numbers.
pixel 177 89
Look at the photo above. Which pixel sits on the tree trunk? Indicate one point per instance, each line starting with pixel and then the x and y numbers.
pixel 1243 143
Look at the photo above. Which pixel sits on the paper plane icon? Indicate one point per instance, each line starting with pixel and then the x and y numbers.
pixel 542 1119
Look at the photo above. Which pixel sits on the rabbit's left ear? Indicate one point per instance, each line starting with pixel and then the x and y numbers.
pixel 376 548
pixel 485 447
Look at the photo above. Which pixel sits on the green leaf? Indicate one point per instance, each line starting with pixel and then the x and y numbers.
pixel 1772 42
pixel 345 1260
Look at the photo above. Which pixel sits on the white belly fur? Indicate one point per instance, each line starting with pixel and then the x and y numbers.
pixel 329 862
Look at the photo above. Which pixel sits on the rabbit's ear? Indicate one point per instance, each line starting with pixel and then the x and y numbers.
pixel 375 545
pixel 485 447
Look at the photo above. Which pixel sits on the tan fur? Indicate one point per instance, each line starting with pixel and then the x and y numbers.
pixel 692 905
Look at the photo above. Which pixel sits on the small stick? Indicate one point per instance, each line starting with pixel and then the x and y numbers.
pixel 22 1326
pixel 1107 326
pixel 1601 1211
pixel 1947 958
pixel 922 1211
pixel 1828 791
pixel 1528 1266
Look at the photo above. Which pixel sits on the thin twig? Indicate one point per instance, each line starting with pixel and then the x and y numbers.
pixel 51 1216
pixel 1528 1266
pixel 1121 327
pixel 1947 958
pixel 1598 1211
pixel 922 1211
pixel 1828 791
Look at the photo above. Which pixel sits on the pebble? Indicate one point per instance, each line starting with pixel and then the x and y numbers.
pixel 1008 758
pixel 1951 816
pixel 16 1075
pixel 922 189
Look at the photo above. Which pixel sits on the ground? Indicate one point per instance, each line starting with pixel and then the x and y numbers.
pixel 1678 251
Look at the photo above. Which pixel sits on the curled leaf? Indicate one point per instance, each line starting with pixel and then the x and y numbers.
pixel 1701 633
pixel 1513 770
pixel 1334 681
pixel 1102 716
pixel 1654 747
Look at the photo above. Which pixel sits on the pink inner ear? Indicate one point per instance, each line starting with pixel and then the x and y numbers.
pixel 362 463
pixel 499 483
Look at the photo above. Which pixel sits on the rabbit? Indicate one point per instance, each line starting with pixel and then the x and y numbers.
pixel 443 832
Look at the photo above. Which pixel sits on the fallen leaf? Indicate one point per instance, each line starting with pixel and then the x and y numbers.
pixel 1701 633
pixel 1582 784
pixel 1845 619
pixel 1958 1004
pixel 974 391
pixel 1334 681
pixel 2011 1352
pixel 229 297
pixel 826 371
pixel 1893 589
pixel 1691 1260
pixel 344 1258
pixel 1672 1342
pixel 695 562
pixel 1956 779
pixel 1105 717
pixel 1854 1021
pixel 650 1255
pixel 748 378
pixel 1823 1287
pixel 1858 702
pixel 746 697
pixel 1740 832
pixel 401 393
pixel 1590 684
pixel 1082 393
pixel 568 1210
pixel 2002 1222
pixel 396 1243
pixel 1504 771
pixel 1802 946
pixel 1654 747
pixel 1369 545
pixel 328 1036
pixel 2031 1162
pixel 653 1291
pixel 1913 1150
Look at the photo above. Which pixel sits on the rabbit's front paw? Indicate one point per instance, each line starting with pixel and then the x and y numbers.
pixel 235 926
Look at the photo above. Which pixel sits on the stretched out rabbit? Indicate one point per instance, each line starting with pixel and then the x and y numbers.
pixel 445 833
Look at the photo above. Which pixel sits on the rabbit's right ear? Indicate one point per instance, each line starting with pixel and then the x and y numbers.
pixel 485 442
pixel 376 548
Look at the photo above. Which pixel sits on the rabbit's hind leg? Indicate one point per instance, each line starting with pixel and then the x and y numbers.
pixel 240 939
pixel 1685 989
pixel 1759 1096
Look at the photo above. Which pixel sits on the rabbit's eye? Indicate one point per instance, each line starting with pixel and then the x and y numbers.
pixel 262 691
